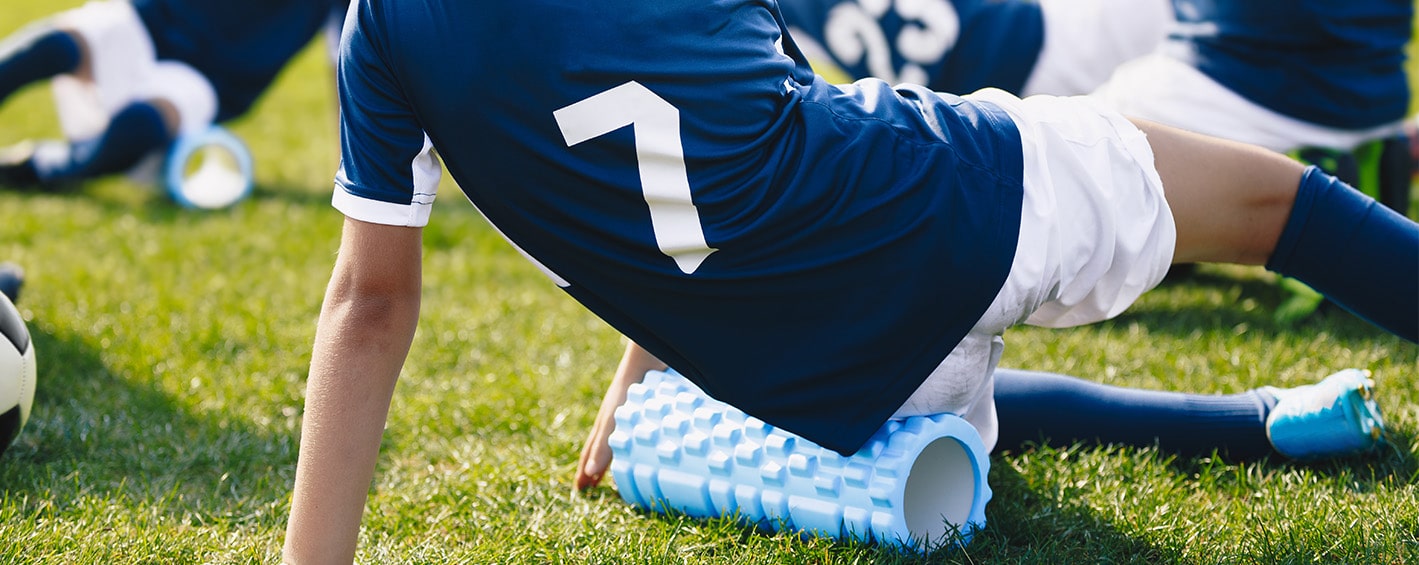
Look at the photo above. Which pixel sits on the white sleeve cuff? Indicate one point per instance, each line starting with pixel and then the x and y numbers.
pixel 415 215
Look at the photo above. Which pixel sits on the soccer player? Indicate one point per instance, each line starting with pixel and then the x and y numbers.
pixel 129 77
pixel 1026 47
pixel 1279 74
pixel 819 256
pixel 1049 47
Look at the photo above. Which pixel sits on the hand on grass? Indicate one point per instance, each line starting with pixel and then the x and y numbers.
pixel 596 453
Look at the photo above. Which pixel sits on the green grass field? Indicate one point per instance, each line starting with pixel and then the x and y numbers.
pixel 173 346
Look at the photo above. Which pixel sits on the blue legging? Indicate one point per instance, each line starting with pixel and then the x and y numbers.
pixel 35 53
pixel 1046 407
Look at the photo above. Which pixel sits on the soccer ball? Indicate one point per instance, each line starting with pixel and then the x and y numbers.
pixel 17 373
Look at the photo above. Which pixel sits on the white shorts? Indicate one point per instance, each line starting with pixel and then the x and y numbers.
pixel 1095 233
pixel 1085 40
pixel 1163 89
pixel 125 70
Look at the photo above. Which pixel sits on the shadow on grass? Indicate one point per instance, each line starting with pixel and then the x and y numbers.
pixel 1051 518
pixel 298 195
pixel 151 204
pixel 99 439
pixel 1023 526
pixel 1030 526
pixel 1250 308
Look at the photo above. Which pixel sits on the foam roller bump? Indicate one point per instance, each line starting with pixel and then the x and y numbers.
pixel 917 483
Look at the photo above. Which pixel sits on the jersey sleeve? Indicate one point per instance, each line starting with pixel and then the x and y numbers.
pixel 388 172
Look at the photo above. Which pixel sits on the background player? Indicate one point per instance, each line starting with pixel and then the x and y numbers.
pixel 1059 47
pixel 815 255
pixel 129 77
pixel 1278 74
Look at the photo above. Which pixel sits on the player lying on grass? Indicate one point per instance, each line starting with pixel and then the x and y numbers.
pixel 129 77
pixel 820 256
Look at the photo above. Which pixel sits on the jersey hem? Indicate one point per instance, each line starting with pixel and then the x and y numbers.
pixel 415 215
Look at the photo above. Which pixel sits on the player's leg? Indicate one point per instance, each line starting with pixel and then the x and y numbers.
pixel 170 99
pixel 1241 204
pixel 127 106
pixel 1335 417
pixel 135 131
pixel 38 52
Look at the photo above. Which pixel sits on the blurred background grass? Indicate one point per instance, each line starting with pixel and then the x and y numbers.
pixel 173 346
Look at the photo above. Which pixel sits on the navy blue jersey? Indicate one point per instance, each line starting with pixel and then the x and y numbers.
pixel 239 45
pixel 805 252
pixel 1337 63
pixel 949 45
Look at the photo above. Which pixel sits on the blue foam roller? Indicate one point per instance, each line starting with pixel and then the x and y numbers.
pixel 917 483
pixel 209 170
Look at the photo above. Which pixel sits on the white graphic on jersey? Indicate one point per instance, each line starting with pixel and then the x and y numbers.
pixel 660 159
pixel 854 35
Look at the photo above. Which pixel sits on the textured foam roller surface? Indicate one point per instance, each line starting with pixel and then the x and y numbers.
pixel 918 482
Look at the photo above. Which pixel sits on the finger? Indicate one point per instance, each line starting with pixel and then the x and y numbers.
pixel 596 455
pixel 589 469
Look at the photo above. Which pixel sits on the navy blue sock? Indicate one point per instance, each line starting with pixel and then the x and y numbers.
pixel 135 131
pixel 1358 253
pixel 35 54
pixel 1041 407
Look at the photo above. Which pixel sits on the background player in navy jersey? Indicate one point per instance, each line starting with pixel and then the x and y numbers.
pixel 1280 74
pixel 1059 47
pixel 129 77
pixel 820 256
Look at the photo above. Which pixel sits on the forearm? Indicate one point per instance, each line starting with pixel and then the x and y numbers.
pixel 359 351
pixel 366 326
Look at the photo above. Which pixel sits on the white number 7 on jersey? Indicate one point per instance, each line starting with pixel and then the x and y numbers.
pixel 660 159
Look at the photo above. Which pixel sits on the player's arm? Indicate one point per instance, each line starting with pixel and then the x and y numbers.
pixel 366 325
pixel 596 454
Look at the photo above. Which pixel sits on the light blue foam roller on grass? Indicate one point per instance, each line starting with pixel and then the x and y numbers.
pixel 210 169
pixel 918 482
